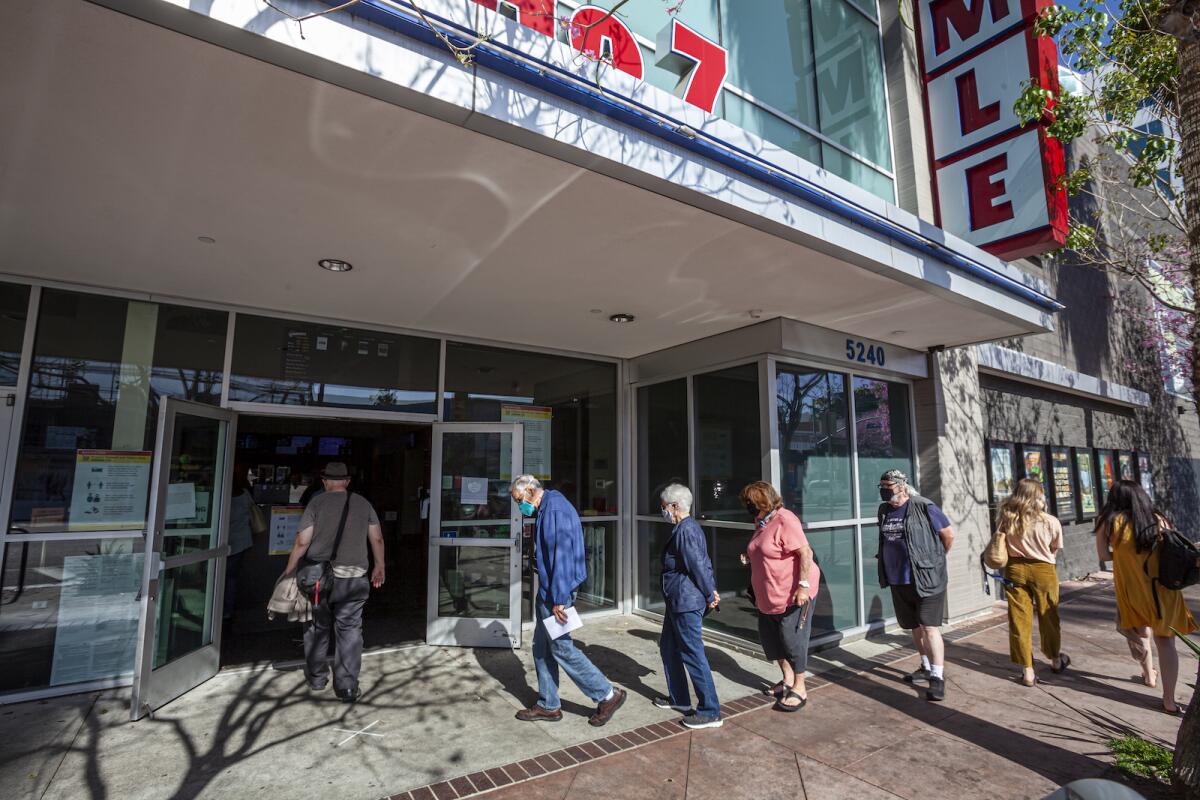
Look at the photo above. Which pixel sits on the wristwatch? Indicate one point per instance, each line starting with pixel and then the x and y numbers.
pixel 803 584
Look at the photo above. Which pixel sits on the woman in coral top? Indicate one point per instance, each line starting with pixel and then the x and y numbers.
pixel 785 580
pixel 1127 532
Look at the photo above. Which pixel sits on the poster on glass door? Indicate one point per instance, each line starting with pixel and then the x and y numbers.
pixel 536 421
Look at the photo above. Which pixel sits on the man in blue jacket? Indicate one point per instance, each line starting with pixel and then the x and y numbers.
pixel 558 549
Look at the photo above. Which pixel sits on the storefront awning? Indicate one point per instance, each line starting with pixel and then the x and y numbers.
pixel 131 142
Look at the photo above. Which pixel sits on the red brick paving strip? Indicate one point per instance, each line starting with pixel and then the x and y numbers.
pixel 478 783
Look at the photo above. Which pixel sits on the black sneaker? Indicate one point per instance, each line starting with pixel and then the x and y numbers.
pixel 665 702
pixel 936 690
pixel 350 696
pixel 695 721
pixel 918 677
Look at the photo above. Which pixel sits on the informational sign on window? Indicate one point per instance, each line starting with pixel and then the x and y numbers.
pixel 181 501
pixel 111 489
pixel 96 635
pixel 474 491
pixel 285 524
pixel 537 422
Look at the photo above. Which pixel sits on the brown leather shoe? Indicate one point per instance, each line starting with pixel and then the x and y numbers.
pixel 606 709
pixel 536 713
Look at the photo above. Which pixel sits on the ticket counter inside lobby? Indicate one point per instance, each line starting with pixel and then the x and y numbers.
pixel 282 456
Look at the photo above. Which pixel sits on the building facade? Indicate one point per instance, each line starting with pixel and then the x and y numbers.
pixel 450 246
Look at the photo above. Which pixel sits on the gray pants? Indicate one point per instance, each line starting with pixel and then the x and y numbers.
pixel 343 614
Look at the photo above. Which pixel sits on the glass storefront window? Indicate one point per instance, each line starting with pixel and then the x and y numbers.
pixel 850 80
pixel 652 538
pixel 599 588
pixel 662 441
pixel 883 431
pixel 738 616
pixel 568 406
pixel 858 173
pixel 814 443
pixel 771 128
pixel 14 308
pixel 728 447
pixel 878 601
pixel 100 366
pixel 770 45
pixel 837 602
pixel 68 611
pixel 312 364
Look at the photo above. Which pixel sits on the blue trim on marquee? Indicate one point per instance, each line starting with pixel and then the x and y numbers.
pixel 559 82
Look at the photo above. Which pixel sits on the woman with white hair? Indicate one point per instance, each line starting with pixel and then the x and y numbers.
pixel 689 588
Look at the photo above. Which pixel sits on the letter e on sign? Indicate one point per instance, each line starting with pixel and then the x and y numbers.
pixel 985 185
pixel 700 63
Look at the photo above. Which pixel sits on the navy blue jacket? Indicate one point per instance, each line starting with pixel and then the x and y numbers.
pixel 687 573
pixel 559 546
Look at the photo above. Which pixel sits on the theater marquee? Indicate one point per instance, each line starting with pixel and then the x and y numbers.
pixel 995 182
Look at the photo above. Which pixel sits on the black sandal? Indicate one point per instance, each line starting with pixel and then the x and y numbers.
pixel 788 693
pixel 1064 661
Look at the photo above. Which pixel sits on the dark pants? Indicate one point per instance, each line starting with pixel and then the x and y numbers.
pixel 233 563
pixel 342 614
pixel 682 650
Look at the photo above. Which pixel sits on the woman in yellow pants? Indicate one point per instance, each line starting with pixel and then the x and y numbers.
pixel 1033 538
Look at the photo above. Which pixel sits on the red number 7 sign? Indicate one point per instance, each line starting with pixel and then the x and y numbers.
pixel 699 62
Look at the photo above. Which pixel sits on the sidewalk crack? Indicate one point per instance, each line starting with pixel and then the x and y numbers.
pixel 71 744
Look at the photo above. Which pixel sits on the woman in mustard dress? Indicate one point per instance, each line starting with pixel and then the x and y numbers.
pixel 1127 531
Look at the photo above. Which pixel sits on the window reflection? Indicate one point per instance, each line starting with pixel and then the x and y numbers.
pixel 14 307
pixel 814 444
pixel 99 370
pixel 662 441
pixel 302 363
pixel 728 447
pixel 883 433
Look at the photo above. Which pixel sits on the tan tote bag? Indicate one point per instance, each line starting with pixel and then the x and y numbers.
pixel 996 554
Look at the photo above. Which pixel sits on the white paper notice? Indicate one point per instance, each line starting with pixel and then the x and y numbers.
pixel 97 617
pixel 557 629
pixel 181 501
pixel 474 491
pixel 285 524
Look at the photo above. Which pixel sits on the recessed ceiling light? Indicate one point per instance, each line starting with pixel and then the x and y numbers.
pixel 622 318
pixel 898 333
pixel 207 239
pixel 596 311
pixel 335 265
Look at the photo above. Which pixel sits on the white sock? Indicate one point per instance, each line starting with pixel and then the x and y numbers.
pixel 935 671
pixel 925 663
pixel 608 696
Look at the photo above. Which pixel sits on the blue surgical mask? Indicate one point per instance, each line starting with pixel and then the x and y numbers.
pixel 528 509
pixel 666 512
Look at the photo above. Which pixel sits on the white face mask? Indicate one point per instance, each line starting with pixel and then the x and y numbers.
pixel 667 515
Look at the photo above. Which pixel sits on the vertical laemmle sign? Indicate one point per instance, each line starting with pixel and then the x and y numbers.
pixel 996 182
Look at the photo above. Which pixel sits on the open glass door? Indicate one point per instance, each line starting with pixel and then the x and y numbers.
pixel 179 637
pixel 475 536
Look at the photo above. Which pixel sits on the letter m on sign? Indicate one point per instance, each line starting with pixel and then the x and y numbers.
pixel 966 18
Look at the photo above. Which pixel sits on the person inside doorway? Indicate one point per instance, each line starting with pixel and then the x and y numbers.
pixel 343 611
pixel 241 537
pixel 558 548
pixel 914 538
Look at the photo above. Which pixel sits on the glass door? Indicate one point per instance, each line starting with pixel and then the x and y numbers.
pixel 179 635
pixel 475 536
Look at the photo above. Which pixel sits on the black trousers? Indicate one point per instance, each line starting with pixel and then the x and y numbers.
pixel 343 616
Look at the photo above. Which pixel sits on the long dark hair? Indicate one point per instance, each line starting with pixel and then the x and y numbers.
pixel 1129 499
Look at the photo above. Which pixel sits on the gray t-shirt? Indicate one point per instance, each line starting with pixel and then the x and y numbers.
pixel 323 514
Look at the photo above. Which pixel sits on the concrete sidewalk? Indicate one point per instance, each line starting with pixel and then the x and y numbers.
pixel 441 719
pixel 869 735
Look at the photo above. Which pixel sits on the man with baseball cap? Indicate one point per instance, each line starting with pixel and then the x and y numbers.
pixel 914 538
pixel 343 611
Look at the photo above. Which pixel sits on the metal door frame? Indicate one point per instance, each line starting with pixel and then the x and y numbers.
pixel 444 630
pixel 153 687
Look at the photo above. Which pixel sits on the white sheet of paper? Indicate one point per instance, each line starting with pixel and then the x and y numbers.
pixel 474 491
pixel 557 629
pixel 181 501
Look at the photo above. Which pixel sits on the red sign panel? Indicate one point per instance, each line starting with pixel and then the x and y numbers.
pixel 995 181
pixel 700 63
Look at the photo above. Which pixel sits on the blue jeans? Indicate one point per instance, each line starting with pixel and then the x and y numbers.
pixel 549 654
pixel 683 649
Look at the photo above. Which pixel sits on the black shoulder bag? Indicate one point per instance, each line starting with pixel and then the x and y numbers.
pixel 314 579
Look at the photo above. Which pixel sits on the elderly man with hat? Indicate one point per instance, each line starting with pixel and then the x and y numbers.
pixel 338 507
pixel 914 538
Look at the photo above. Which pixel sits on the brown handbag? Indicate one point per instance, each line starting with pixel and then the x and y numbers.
pixel 996 554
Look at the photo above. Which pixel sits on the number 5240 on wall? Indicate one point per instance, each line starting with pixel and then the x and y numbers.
pixel 862 353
